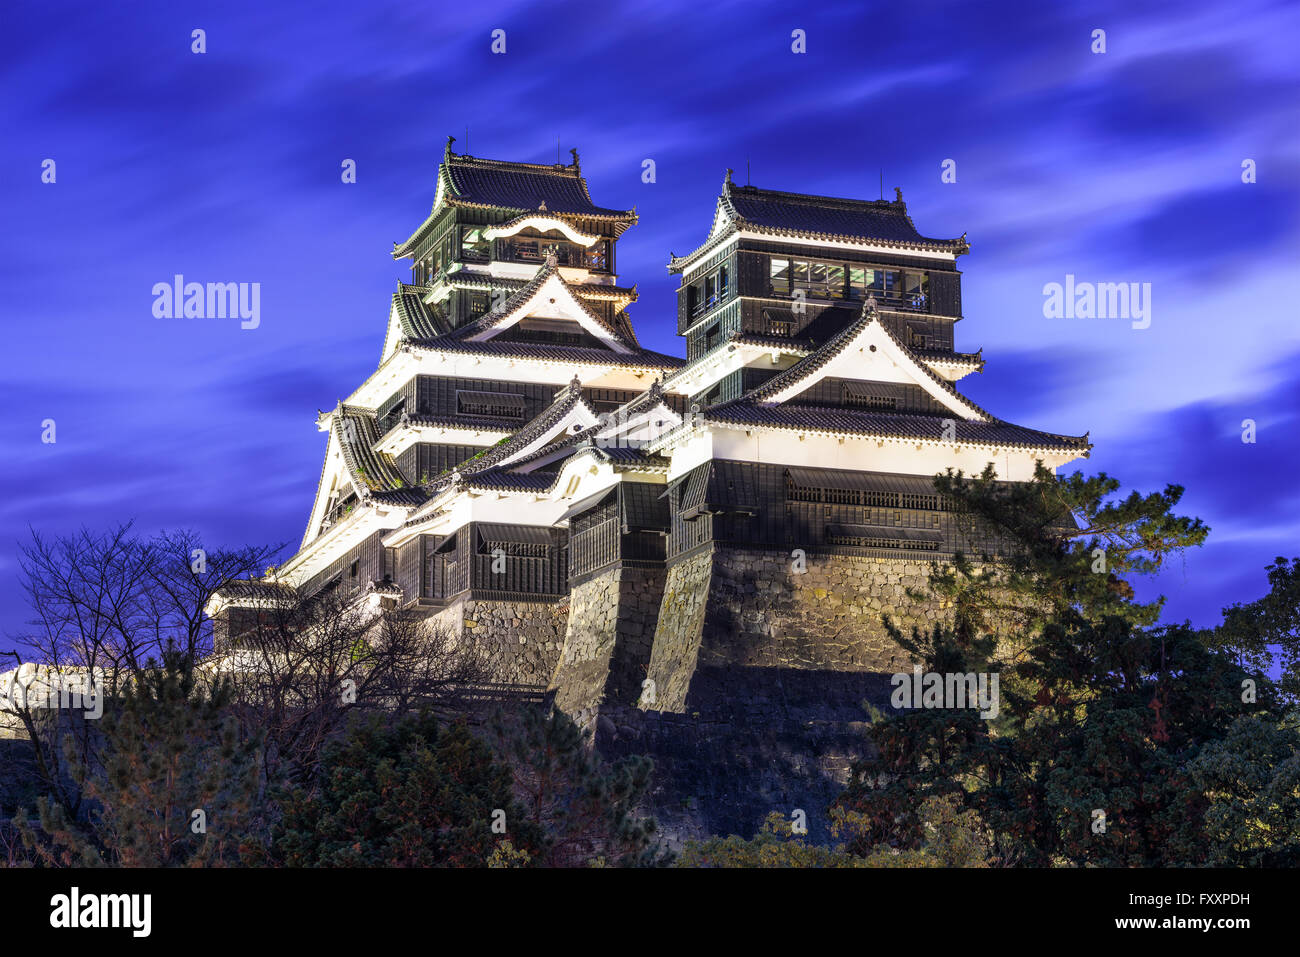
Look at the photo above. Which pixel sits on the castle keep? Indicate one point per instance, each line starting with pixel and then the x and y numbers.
pixel 692 557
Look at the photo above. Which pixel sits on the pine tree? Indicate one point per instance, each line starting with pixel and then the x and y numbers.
pixel 169 783
pixel 405 793
pixel 1103 712
pixel 586 809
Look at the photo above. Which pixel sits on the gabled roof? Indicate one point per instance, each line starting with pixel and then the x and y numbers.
pixel 568 411
pixel 602 437
pixel 826 218
pixel 547 295
pixel 804 373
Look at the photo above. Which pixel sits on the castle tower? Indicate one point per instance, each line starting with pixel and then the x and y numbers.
pixel 508 348
pixel 820 346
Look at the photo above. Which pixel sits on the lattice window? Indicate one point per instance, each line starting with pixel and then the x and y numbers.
pixel 497 405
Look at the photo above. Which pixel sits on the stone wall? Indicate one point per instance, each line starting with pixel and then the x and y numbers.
pixel 763 674
pixel 611 627
pixel 727 608
pixel 521 639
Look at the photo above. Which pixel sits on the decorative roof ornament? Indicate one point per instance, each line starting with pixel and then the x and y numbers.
pixel 446 155
pixel 870 307
pixel 726 179
pixel 574 153
pixel 541 207
pixel 898 194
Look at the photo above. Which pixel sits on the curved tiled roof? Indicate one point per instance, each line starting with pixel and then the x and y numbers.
pixel 825 218
pixel 565 400
pixel 811 363
pixel 471 181
pixel 357 431
pixel 550 267
pixel 503 184
pixel 418 319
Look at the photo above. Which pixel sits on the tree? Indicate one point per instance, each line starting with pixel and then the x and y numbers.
pixel 1102 711
pixel 1265 634
pixel 586 809
pixel 405 793
pixel 1251 781
pixel 305 666
pixel 104 606
pixel 170 780
pixel 954 837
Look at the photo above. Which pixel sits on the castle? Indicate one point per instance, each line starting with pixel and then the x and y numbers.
pixel 690 557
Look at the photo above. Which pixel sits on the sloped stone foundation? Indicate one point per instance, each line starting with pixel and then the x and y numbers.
pixel 762 675
pixel 611 627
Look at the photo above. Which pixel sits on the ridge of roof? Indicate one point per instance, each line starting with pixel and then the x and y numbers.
pixel 565 400
pixel 894 425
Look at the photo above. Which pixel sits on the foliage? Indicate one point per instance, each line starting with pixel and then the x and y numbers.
pixel 585 808
pixel 954 837
pixel 1264 634
pixel 405 794
pixel 1105 746
pixel 170 782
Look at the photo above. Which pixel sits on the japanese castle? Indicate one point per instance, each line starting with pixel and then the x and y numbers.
pixel 616 525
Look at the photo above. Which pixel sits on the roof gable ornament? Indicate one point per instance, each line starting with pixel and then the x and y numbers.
pixel 574 153
pixel 446 154
pixel 541 207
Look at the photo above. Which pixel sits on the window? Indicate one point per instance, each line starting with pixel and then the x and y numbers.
pixel 710 291
pixel 880 402
pixel 597 255
pixel 883 283
pixel 916 290
pixel 857 282
pixel 390 416
pixel 835 282
pixel 496 405
pixel 474 246
pixel 352 570
pixel 780 323
pixel 722 283
pixel 780 276
pixel 526 250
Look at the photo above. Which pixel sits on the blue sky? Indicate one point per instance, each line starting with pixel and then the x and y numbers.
pixel 1115 167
